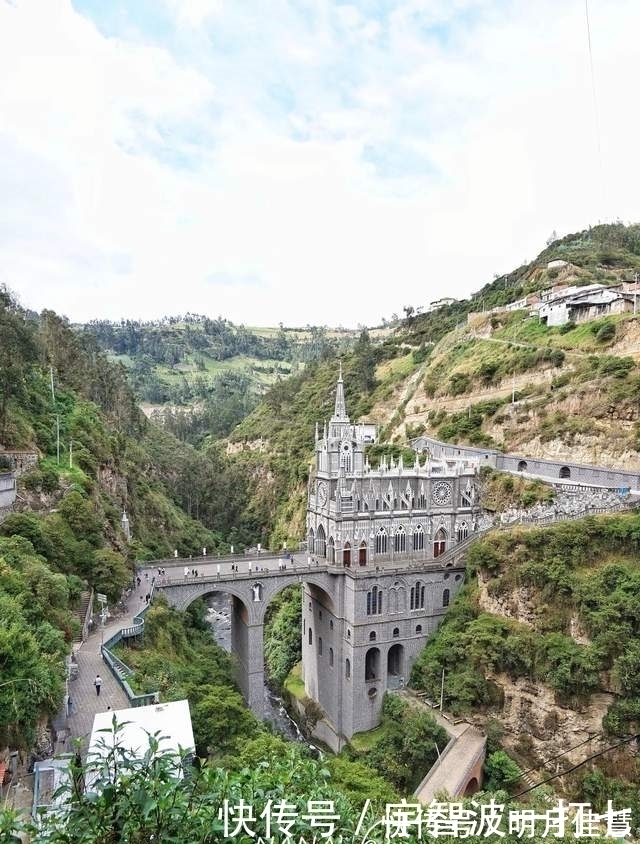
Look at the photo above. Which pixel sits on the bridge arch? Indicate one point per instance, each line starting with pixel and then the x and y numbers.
pixel 251 594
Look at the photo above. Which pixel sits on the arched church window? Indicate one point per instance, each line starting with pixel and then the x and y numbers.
pixel 416 598
pixel 374 601
pixel 462 531
pixel 445 598
pixel 381 541
pixel 418 538
pixel 400 540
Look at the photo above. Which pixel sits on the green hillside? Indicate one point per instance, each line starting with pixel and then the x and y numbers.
pixel 65 531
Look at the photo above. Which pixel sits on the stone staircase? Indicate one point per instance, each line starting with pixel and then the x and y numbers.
pixel 81 614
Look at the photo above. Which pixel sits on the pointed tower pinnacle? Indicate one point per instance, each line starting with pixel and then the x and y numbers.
pixel 340 411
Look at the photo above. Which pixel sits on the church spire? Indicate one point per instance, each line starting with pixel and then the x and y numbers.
pixel 340 411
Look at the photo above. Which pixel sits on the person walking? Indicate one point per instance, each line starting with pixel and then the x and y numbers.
pixel 98 684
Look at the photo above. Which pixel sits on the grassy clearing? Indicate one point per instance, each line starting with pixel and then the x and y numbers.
pixel 294 684
pixel 363 742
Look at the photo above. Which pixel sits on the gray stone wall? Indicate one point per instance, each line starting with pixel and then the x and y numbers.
pixel 7 491
pixel 551 470
pixel 352 700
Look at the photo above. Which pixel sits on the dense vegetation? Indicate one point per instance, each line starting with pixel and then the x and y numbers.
pixel 282 642
pixel 65 533
pixel 208 374
pixel 285 797
pixel 585 571
pixel 179 658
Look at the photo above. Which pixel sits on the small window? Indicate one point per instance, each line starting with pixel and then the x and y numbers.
pixel 372 636
pixel 310 637
pixel 372 693
pixel 347 669
pixel 331 625
pixel 320 615
pixel 396 632
pixel 418 628
pixel 319 645
pixel 445 598
pixel 331 657
pixel 348 633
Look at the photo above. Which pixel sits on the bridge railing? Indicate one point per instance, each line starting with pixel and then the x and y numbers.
pixel 119 669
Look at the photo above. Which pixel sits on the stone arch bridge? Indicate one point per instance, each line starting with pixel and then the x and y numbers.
pixel 251 591
pixel 253 582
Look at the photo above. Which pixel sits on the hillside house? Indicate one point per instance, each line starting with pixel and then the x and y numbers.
pixel 582 304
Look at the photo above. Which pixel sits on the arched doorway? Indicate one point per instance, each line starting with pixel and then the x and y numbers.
pixel 565 472
pixel 321 542
pixel 372 664
pixel 331 551
pixel 439 542
pixel 362 554
pixel 311 541
pixel 395 667
pixel 346 555
pixel 522 466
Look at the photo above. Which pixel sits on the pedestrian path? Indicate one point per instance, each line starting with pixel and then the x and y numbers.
pixel 85 702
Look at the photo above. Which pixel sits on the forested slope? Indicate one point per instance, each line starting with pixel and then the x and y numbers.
pixel 65 532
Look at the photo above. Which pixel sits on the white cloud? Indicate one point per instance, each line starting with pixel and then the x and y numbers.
pixel 313 164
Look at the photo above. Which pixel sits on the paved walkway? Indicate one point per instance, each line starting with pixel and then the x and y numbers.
pixel 86 703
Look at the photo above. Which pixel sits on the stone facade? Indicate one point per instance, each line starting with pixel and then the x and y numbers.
pixel 382 531
pixel 360 516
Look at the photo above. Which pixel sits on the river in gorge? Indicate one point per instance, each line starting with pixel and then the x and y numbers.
pixel 219 617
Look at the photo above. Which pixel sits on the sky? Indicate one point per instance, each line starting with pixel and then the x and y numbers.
pixel 305 162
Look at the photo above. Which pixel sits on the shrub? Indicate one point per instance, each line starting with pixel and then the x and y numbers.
pixel 606 332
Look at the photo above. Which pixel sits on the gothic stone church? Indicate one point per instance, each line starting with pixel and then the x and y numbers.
pixel 390 534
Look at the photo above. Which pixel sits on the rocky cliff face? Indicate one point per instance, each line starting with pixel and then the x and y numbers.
pixel 541 732
pixel 539 729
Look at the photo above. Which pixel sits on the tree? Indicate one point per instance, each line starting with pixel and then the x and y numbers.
pixel 364 376
pixel 109 573
pixel 501 771
pixel 17 353
pixel 223 722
